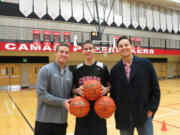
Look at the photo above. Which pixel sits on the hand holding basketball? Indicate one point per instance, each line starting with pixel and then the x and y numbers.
pixel 92 89
pixel 79 106
pixel 105 90
pixel 66 104
pixel 78 91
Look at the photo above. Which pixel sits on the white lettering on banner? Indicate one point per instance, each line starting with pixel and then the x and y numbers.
pixel 77 48
pixel 54 47
pixel 143 51
pixel 151 51
pixel 133 51
pixel 74 49
pixel 139 51
pixel 32 47
pixel 35 47
pixel 46 48
pixel 10 46
pixel 22 47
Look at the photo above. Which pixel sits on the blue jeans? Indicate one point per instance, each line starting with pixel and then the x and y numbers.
pixel 145 129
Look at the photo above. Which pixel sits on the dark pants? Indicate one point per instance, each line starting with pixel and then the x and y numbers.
pixel 91 124
pixel 50 128
pixel 145 129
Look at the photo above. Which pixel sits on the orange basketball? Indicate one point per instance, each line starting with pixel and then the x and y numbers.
pixel 79 106
pixel 92 89
pixel 104 107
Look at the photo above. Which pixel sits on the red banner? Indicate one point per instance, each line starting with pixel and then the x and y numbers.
pixel 56 38
pixel 67 33
pixel 132 39
pixel 12 46
pixel 36 32
pixel 36 37
pixel 47 38
pixel 117 37
pixel 67 37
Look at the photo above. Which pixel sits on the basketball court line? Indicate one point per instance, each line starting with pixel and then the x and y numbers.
pixel 111 126
pixel 175 96
pixel 167 114
pixel 170 125
pixel 70 134
pixel 20 112
pixel 7 107
pixel 170 110
pixel 13 106
pixel 13 113
pixel 170 104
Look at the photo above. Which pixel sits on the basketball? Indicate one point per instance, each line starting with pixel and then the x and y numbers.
pixel 79 106
pixel 104 107
pixel 92 89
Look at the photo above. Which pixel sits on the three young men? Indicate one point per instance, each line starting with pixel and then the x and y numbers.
pixel 134 88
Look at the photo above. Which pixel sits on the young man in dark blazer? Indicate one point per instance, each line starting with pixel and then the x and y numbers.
pixel 135 89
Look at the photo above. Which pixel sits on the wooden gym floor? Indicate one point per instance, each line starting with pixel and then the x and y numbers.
pixel 18 109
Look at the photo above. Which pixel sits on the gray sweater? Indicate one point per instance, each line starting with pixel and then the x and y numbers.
pixel 53 87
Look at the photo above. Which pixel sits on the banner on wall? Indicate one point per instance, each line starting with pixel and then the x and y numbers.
pixel 56 38
pixel 12 46
pixel 138 43
pixel 47 38
pixel 36 37
pixel 67 37
pixel 133 42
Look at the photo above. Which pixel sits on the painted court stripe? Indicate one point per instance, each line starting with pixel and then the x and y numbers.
pixel 175 96
pixel 167 114
pixel 21 112
pixel 170 110
pixel 170 104
pixel 70 134
pixel 170 125
pixel 7 107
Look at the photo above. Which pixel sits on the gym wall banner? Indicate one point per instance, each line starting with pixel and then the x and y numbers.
pixel 47 38
pixel 67 38
pixel 36 37
pixel 132 40
pixel 56 38
pixel 13 46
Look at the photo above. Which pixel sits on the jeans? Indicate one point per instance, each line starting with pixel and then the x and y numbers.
pixel 145 129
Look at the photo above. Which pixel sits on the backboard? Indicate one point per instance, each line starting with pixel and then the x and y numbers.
pixel 103 47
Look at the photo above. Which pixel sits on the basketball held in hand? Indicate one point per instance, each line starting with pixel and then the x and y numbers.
pixel 92 89
pixel 79 106
pixel 104 107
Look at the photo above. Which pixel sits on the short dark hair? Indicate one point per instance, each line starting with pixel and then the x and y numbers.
pixel 61 44
pixel 88 42
pixel 121 38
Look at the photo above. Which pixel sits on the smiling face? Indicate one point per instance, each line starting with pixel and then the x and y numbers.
pixel 62 54
pixel 88 51
pixel 125 48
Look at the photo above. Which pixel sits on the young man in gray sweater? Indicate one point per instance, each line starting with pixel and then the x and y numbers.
pixel 54 84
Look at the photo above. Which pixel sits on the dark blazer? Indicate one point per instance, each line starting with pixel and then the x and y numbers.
pixel 138 96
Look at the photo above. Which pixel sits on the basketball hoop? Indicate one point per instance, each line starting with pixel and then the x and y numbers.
pixel 102 47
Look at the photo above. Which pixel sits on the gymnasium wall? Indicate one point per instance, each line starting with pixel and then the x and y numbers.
pixel 13 28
